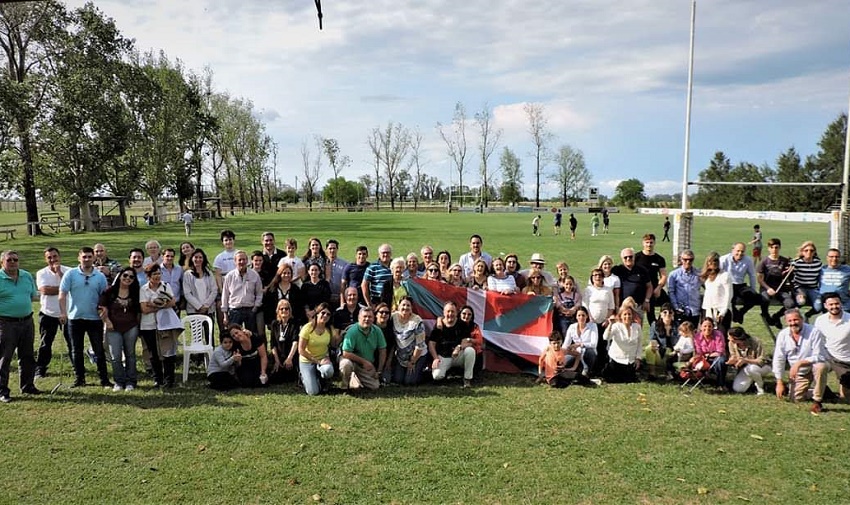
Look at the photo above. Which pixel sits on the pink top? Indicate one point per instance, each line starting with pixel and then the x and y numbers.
pixel 716 344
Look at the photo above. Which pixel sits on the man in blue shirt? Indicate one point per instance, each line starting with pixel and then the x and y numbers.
pixel 17 332
pixel 834 278
pixel 683 287
pixel 739 266
pixel 79 294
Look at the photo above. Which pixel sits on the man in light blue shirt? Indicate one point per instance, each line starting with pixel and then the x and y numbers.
pixel 739 266
pixel 683 287
pixel 799 345
pixel 834 278
pixel 79 297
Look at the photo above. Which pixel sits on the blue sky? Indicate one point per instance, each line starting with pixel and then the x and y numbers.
pixel 612 75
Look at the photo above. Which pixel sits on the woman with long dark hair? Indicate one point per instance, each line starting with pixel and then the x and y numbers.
pixel 316 256
pixel 121 312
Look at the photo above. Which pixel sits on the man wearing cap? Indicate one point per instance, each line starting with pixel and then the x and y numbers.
pixel 17 332
pixel 835 327
pixel 536 264
pixel 635 281
pixel 475 253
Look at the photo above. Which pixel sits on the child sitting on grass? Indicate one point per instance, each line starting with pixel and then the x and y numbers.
pixel 552 363
pixel 684 348
pixel 221 373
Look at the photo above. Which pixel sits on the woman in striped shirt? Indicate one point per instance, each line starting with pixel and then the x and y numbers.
pixel 807 270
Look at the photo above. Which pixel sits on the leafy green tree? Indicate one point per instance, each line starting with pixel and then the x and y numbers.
pixel 571 174
pixel 509 164
pixel 27 34
pixel 827 165
pixel 710 196
pixel 336 161
pixel 87 128
pixel 345 192
pixel 629 193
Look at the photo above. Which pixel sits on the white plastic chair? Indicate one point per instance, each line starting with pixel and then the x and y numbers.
pixel 199 327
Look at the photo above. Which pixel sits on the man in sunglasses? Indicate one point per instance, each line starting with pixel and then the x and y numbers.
pixel 635 281
pixel 17 292
pixel 364 352
pixel 79 293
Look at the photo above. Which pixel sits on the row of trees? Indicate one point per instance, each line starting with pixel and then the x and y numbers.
pixel 83 113
pixel 824 167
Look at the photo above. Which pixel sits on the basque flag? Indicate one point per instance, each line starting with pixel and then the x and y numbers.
pixel 516 327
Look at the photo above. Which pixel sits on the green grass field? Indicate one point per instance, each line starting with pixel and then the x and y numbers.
pixel 505 441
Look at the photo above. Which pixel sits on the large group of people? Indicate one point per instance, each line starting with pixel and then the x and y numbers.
pixel 314 318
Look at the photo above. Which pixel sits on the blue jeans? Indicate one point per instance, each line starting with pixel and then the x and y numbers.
pixel 401 375
pixel 718 367
pixel 311 374
pixel 122 347
pixel 77 329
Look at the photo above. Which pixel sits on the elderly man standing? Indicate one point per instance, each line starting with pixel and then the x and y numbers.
pixel 635 281
pixel 17 292
pixel 376 275
pixel 79 294
pixel 739 266
pixel 835 327
pixel 683 285
pixel 364 352
pixel 47 281
pixel 107 266
pixel 799 345
pixel 242 294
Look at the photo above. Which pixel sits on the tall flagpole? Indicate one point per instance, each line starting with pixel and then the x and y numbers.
pixel 688 110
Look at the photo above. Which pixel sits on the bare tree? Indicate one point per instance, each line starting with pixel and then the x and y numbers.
pixel 395 144
pixel 312 169
pixel 571 175
pixel 455 138
pixel 374 142
pixel 537 123
pixel 490 137
pixel 416 162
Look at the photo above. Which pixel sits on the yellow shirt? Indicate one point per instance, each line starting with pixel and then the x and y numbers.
pixel 317 343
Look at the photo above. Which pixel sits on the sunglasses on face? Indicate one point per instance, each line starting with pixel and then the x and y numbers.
pixel 284 309
pixel 324 313
pixel 630 257
pixel 383 312
pixel 128 276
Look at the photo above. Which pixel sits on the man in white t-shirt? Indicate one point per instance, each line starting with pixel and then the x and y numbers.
pixel 468 260
pixel 47 281
pixel 223 264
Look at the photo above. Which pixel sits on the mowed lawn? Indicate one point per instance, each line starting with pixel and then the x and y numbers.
pixel 505 441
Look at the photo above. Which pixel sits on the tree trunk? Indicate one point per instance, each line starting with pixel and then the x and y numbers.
pixel 122 211
pixel 199 192
pixel 25 145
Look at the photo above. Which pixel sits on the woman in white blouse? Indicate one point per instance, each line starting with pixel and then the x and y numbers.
pixel 624 336
pixel 500 281
pixel 583 336
pixel 717 298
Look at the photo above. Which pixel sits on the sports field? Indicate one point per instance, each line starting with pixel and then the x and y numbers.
pixel 504 441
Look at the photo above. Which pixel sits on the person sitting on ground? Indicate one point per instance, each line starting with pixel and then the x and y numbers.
pixel 314 361
pixel 747 355
pixel 552 367
pixel 364 353
pixel 452 346
pixel 284 337
pixel 583 337
pixel 624 336
pixel 663 336
pixel 500 281
pixel 221 372
pixel 710 344
pixel 251 371
pixel 411 351
pixel 683 351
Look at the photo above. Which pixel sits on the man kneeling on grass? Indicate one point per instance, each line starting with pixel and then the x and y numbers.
pixel 364 352
pixel 450 345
